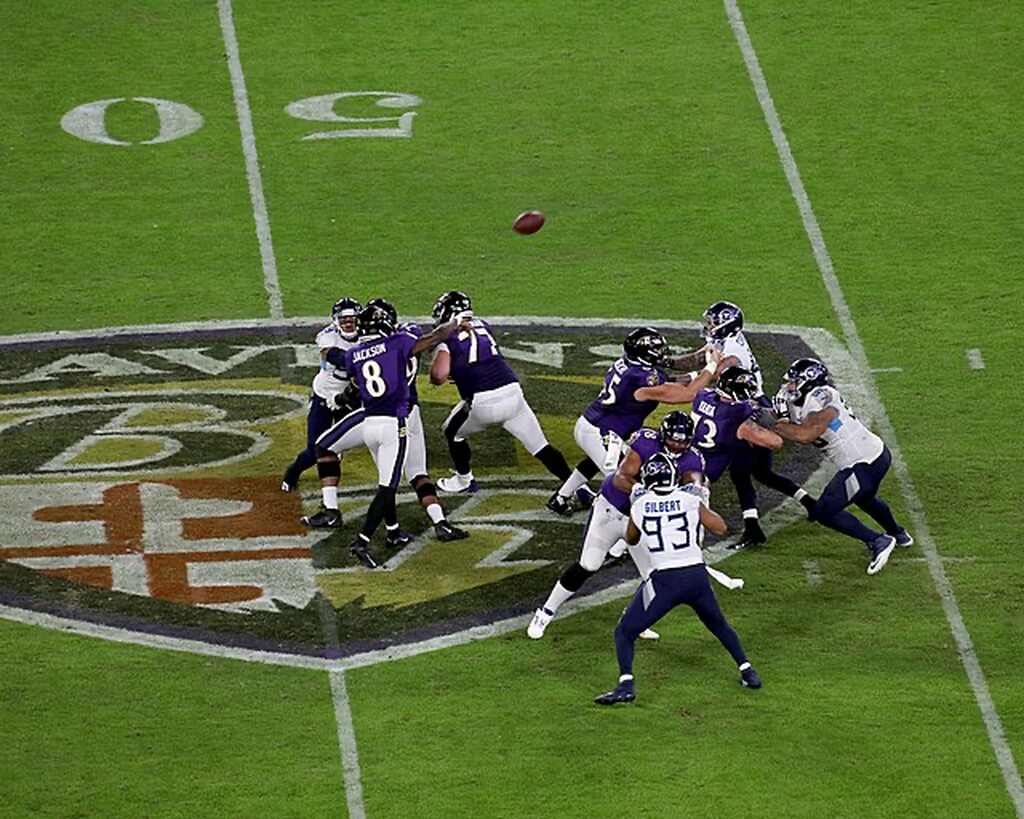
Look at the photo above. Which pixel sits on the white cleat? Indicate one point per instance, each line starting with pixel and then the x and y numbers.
pixel 881 548
pixel 456 483
pixel 649 634
pixel 540 621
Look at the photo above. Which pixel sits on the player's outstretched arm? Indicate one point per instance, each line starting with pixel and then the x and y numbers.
pixel 810 430
pixel 441 367
pixel 625 476
pixel 434 337
pixel 712 521
pixel 632 534
pixel 757 435
pixel 674 393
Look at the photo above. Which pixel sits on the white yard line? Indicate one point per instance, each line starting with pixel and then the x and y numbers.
pixel 252 163
pixel 812 571
pixel 974 359
pixel 347 744
pixel 965 646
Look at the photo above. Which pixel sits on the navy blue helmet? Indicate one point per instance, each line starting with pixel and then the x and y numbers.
pixel 646 345
pixel 343 316
pixel 804 375
pixel 737 384
pixel 659 474
pixel 721 320
pixel 677 426
pixel 376 320
pixel 450 304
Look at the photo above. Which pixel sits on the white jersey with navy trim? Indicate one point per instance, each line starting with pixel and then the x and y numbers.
pixel 846 440
pixel 670 528
pixel 736 346
pixel 331 381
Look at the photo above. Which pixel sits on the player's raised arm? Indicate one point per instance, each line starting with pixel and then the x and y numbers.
pixel 674 393
pixel 810 429
pixel 433 338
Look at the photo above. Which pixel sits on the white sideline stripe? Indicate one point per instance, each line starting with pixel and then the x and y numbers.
pixel 965 646
pixel 974 359
pixel 252 163
pixel 347 744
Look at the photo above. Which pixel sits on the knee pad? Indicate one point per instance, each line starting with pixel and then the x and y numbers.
pixel 425 488
pixel 574 577
pixel 328 469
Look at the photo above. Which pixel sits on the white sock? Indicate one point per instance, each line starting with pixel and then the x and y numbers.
pixel 391 527
pixel 559 594
pixel 744 666
pixel 800 493
pixel 572 483
pixel 435 513
pixel 625 678
pixel 750 514
pixel 330 494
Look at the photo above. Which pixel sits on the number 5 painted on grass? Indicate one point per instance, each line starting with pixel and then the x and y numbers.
pixel 321 109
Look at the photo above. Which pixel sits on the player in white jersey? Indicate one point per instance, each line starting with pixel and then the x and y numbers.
pixel 723 331
pixel 814 412
pixel 666 527
pixel 331 398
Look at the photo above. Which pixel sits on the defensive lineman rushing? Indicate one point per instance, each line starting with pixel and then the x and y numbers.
pixel 606 526
pixel 814 412
pixel 665 523
pixel 330 399
pixel 489 389
pixel 616 413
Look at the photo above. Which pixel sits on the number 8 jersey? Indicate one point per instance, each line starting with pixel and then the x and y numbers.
pixel 379 368
pixel 670 528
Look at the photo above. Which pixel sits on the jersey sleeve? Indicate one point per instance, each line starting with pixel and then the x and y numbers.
pixel 325 338
pixel 819 399
pixel 732 346
pixel 412 328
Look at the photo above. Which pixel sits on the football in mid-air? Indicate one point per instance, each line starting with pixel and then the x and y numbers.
pixel 528 222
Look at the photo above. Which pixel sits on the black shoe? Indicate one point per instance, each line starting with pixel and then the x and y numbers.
pixel 808 503
pixel 749 678
pixel 560 505
pixel 623 692
pixel 397 539
pixel 361 549
pixel 446 532
pixel 752 536
pixel 324 519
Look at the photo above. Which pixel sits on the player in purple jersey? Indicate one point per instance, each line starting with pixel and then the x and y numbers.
pixel 330 399
pixel 606 525
pixel 724 426
pixel 378 367
pixel 416 450
pixel 617 413
pixel 490 393
pixel 723 331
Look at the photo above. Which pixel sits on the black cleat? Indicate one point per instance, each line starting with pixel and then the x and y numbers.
pixel 361 549
pixel 807 501
pixel 752 536
pixel 560 505
pixel 324 519
pixel 290 480
pixel 623 692
pixel 445 532
pixel 397 539
pixel 749 678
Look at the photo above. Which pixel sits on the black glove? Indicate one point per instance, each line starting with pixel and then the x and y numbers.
pixel 764 417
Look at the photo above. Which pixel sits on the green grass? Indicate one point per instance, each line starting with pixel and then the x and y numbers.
pixel 640 136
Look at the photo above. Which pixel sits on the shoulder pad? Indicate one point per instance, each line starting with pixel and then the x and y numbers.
pixel 823 394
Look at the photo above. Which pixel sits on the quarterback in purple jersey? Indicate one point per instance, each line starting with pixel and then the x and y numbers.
pixel 490 393
pixel 606 526
pixel 618 411
pixel 378 367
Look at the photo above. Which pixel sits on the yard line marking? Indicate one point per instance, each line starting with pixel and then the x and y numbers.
pixel 813 572
pixel 886 369
pixel 252 164
pixel 347 744
pixel 962 637
pixel 974 359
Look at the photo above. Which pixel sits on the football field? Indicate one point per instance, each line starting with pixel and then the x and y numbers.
pixel 187 187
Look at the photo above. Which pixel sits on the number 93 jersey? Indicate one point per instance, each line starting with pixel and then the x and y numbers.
pixel 670 528
pixel 379 368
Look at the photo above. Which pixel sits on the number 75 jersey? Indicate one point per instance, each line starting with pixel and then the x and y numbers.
pixel 670 528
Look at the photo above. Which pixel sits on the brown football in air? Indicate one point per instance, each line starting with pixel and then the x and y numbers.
pixel 528 222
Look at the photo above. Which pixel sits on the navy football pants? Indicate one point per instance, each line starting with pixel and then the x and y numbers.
pixel 689 586
pixel 857 484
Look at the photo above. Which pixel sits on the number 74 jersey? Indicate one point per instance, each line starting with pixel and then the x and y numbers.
pixel 670 528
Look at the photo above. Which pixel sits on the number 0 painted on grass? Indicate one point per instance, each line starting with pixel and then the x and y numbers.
pixel 89 121
pixel 321 109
